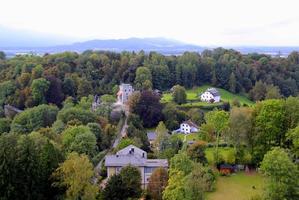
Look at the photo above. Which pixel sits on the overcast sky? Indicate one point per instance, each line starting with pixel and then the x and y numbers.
pixel 202 22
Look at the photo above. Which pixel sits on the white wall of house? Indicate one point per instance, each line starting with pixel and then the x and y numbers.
pixel 207 96
pixel 185 128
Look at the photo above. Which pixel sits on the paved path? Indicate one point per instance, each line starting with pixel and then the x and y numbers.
pixel 122 133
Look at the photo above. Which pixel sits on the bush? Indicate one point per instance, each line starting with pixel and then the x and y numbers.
pixel 84 116
pixel 34 118
pixel 231 157
pixel 223 145
pixel 209 145
pixel 4 125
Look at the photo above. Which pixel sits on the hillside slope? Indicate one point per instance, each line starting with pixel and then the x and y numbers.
pixel 193 96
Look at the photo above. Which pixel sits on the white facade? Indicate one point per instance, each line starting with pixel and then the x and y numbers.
pixel 188 127
pixel 206 96
pixel 125 90
pixel 210 95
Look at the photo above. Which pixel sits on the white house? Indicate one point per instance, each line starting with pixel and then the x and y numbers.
pixel 125 90
pixel 132 155
pixel 187 127
pixel 210 95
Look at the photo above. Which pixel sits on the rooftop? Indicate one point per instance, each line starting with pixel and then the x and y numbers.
pixel 125 157
pixel 190 123
pixel 213 91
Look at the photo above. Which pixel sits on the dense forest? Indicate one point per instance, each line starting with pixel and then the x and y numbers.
pixel 27 81
pixel 52 149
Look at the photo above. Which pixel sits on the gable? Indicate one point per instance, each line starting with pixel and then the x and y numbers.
pixel 133 150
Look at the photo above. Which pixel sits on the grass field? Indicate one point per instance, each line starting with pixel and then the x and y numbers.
pixel 193 99
pixel 223 151
pixel 237 187
pixel 190 137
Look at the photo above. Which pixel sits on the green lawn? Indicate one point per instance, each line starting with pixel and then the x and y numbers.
pixel 237 187
pixel 192 95
pixel 223 151
pixel 190 137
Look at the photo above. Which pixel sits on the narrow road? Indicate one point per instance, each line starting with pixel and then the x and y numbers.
pixel 122 133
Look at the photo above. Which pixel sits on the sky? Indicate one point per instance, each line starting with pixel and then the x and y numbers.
pixel 201 22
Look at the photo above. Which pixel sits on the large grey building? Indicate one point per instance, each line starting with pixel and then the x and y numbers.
pixel 136 157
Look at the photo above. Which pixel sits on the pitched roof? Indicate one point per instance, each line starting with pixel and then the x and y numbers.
pixel 131 149
pixel 213 91
pixel 151 135
pixel 125 157
pixel 123 160
pixel 190 123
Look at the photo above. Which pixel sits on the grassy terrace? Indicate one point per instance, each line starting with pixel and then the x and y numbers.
pixel 189 137
pixel 193 99
pixel 237 187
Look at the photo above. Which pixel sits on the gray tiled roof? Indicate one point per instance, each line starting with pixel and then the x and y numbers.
pixel 133 158
pixel 190 123
pixel 124 160
pixel 213 91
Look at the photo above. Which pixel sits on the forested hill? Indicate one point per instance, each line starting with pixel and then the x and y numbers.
pixel 27 81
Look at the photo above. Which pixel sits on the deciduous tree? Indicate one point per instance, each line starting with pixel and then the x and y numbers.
pixel 179 94
pixel 157 183
pixel 79 139
pixel 143 80
pixel 149 108
pixel 283 175
pixel 218 119
pixel 39 87
pixel 75 174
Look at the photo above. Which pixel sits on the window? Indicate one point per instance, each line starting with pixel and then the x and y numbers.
pixel 149 169
pixel 118 169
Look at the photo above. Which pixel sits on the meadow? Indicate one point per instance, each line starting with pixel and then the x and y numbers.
pixel 193 98
pixel 239 186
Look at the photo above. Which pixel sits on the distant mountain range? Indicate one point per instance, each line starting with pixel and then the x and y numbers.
pixel 161 45
pixel 14 42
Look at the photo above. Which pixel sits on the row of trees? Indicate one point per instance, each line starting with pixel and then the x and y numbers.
pixel 270 123
pixel 27 81
pixel 49 153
